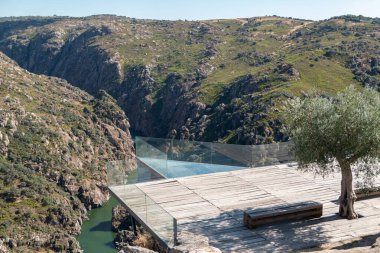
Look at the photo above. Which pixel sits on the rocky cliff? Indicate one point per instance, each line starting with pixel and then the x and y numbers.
pixel 219 80
pixel 54 142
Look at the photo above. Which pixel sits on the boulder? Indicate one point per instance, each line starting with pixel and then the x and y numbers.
pixel 135 249
pixel 193 243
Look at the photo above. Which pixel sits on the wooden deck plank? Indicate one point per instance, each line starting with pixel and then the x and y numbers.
pixel 213 205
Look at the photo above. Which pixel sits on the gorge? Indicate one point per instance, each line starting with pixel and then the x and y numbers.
pixel 212 80
pixel 71 88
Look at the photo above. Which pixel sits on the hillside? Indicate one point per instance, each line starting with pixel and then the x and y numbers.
pixel 213 80
pixel 54 142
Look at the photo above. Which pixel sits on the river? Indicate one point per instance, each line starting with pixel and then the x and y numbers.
pixel 96 235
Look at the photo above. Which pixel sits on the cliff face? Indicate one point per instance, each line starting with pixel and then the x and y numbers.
pixel 54 142
pixel 208 80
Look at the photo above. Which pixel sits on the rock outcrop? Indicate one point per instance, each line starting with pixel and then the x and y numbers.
pixel 55 141
pixel 193 243
pixel 121 220
pixel 135 249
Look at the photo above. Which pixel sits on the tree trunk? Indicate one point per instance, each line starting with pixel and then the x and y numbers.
pixel 347 194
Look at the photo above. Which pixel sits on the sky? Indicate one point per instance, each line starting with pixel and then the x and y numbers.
pixel 191 9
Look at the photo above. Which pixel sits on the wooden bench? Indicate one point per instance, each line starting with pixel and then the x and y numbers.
pixel 281 213
pixel 363 194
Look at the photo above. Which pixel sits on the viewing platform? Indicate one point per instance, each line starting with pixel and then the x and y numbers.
pixel 213 205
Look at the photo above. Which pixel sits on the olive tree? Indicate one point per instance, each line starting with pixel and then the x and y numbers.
pixel 329 134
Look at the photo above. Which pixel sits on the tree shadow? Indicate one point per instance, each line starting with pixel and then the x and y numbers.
pixel 227 232
pixel 361 242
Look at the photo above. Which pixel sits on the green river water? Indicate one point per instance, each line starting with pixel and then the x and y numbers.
pixel 96 235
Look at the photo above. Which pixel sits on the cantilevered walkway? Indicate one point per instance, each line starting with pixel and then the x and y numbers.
pixel 213 205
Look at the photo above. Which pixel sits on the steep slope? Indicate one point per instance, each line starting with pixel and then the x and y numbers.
pixel 54 142
pixel 207 80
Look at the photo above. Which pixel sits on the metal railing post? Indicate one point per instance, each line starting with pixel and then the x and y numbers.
pixel 211 151
pixel 251 165
pixel 175 232
pixel 146 209
pixel 125 181
pixel 134 225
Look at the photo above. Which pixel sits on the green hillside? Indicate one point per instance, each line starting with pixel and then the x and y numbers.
pixel 54 142
pixel 215 80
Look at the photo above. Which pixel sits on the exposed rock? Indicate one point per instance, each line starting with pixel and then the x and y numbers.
pixel 193 243
pixel 91 195
pixel 135 249
pixel 135 95
pixel 172 134
pixel 69 183
pixel 185 133
pixel 210 50
pixel 64 243
pixel 12 126
pixel 3 246
pixel 40 239
pixel 118 138
pixel 290 73
pixel 124 237
pixel 4 142
pixel 121 219
pixel 142 239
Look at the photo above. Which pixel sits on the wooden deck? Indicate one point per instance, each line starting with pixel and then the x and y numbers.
pixel 213 205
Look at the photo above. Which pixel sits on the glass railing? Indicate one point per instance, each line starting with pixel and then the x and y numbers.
pixel 270 154
pixel 178 158
pixel 117 173
pixel 152 155
pixel 170 158
pixel 121 182
pixel 120 173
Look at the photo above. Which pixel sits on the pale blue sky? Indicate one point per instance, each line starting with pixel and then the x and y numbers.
pixel 191 9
